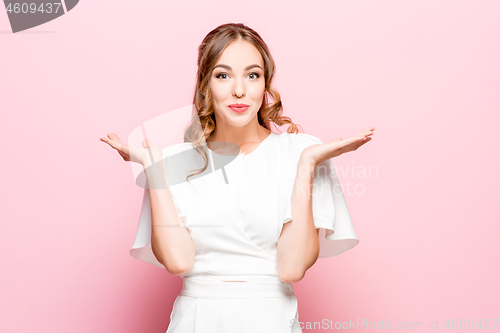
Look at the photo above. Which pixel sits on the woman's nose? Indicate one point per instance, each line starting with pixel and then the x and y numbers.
pixel 239 88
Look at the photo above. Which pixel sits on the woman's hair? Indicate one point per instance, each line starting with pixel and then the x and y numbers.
pixel 203 123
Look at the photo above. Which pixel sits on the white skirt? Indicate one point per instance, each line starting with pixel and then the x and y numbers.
pixel 262 304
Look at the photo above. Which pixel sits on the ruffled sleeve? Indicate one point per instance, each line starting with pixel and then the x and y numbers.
pixel 330 211
pixel 141 249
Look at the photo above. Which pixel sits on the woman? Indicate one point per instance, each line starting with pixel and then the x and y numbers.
pixel 244 225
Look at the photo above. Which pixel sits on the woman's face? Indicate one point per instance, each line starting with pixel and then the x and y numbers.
pixel 238 78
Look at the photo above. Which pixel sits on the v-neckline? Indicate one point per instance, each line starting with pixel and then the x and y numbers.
pixel 237 162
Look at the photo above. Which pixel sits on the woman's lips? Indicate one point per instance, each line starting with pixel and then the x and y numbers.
pixel 238 108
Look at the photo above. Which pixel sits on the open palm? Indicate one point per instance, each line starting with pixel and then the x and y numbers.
pixel 319 153
pixel 142 155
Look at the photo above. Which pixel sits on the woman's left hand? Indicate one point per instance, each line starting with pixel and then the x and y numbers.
pixel 319 153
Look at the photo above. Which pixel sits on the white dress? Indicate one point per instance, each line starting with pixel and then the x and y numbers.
pixel 234 212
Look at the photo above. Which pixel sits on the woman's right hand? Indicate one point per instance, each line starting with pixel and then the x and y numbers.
pixel 135 154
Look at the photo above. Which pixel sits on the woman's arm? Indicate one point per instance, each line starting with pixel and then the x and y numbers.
pixel 298 245
pixel 170 241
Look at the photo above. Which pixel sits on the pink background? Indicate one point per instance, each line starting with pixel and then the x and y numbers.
pixel 425 74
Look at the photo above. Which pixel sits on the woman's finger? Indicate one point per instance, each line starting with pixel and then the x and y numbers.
pixel 367 131
pixel 108 141
pixel 355 139
pixel 364 135
pixel 114 137
pixel 113 141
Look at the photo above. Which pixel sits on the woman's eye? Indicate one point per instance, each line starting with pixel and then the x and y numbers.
pixel 255 74
pixel 221 74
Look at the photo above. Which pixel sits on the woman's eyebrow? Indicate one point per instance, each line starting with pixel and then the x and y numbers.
pixel 229 67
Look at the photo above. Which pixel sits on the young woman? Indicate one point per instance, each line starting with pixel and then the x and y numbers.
pixel 260 207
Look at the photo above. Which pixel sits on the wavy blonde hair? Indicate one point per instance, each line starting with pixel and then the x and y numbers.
pixel 202 125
